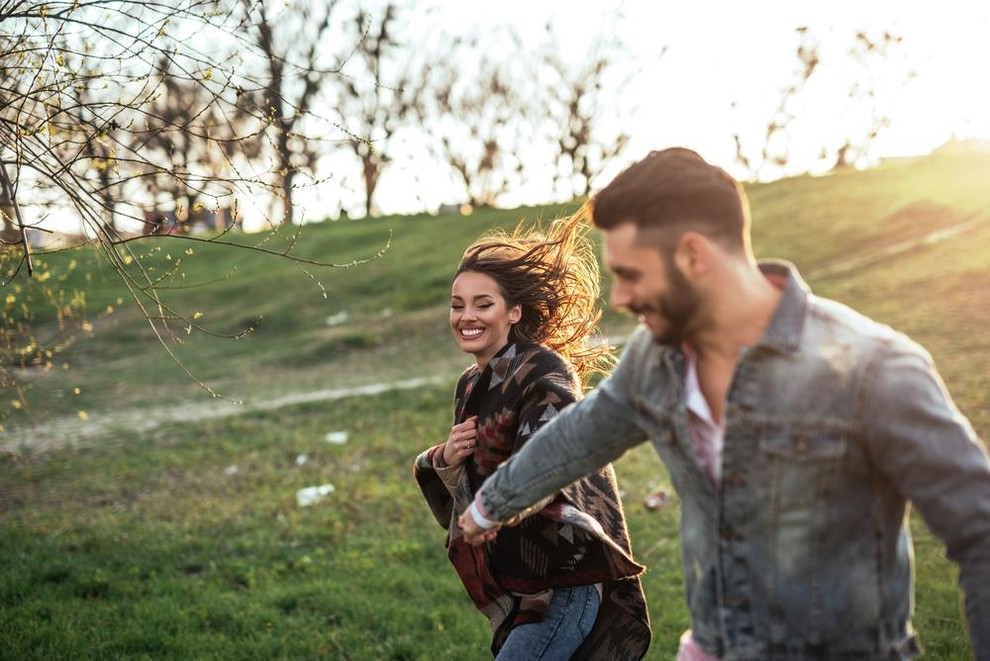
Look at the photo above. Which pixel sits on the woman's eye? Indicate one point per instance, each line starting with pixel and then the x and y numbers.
pixel 484 306
pixel 457 307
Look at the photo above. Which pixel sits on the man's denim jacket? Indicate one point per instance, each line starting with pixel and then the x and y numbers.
pixel 832 424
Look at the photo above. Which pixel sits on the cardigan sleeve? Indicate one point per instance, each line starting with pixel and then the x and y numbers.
pixel 448 474
pixel 434 490
pixel 436 480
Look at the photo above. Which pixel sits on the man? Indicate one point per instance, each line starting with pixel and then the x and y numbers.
pixel 794 429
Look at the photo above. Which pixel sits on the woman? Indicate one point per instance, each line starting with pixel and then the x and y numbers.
pixel 560 583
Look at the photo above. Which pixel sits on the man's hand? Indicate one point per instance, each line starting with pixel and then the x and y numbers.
pixel 473 533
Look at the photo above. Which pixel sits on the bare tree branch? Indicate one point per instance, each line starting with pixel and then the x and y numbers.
pixel 873 70
pixel 577 101
pixel 476 116
pixel 374 100
pixel 118 113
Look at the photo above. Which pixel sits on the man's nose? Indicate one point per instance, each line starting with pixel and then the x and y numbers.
pixel 619 295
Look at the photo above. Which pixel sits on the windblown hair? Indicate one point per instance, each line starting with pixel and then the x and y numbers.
pixel 554 277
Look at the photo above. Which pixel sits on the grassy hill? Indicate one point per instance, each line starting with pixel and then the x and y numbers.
pixel 183 539
pixel 395 305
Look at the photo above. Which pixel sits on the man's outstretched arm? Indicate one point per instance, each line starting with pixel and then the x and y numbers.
pixel 580 440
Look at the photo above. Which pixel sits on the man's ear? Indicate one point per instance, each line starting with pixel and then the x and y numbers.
pixel 694 253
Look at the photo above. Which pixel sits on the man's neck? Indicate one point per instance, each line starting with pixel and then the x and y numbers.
pixel 738 314
pixel 737 317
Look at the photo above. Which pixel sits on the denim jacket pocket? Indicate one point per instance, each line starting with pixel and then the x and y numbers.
pixel 802 462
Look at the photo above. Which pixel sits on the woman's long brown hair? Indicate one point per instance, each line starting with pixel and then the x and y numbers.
pixel 553 276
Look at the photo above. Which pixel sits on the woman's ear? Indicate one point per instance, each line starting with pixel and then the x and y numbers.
pixel 515 314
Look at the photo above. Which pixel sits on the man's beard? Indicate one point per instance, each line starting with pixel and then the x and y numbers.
pixel 677 308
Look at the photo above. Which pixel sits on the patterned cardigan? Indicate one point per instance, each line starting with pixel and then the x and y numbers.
pixel 577 537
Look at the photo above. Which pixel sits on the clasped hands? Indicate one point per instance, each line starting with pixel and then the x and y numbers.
pixel 474 534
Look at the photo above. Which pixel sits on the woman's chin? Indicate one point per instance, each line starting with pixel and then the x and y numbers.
pixel 468 346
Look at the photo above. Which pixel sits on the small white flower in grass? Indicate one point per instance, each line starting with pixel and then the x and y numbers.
pixel 336 437
pixel 337 319
pixel 231 470
pixel 301 460
pixel 312 495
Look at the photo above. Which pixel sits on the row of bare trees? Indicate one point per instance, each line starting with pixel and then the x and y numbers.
pixel 179 107
pixel 153 113
pixel 143 117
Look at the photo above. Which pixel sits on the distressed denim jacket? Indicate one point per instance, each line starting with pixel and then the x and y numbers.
pixel 833 424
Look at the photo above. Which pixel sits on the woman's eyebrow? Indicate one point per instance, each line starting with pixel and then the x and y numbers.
pixel 474 298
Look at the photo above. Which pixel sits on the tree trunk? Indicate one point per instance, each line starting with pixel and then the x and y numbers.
pixel 287 205
pixel 10 233
pixel 371 174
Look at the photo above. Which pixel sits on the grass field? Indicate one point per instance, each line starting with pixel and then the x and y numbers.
pixel 171 529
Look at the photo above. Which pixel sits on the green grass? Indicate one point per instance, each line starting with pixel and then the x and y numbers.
pixel 167 551
pixel 185 540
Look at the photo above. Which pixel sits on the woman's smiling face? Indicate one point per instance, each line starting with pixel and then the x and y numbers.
pixel 480 316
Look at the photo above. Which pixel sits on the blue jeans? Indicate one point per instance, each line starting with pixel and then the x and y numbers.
pixel 565 625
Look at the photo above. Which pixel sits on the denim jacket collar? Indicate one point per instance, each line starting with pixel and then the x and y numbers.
pixel 783 335
pixel 787 325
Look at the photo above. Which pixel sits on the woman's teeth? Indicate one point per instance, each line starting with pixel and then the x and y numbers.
pixel 472 332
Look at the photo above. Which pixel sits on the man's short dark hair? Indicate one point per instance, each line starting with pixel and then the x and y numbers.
pixel 675 190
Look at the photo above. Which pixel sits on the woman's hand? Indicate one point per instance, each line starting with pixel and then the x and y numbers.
pixel 460 444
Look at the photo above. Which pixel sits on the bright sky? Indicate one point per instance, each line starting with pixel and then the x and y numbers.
pixel 704 71
pixel 720 53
